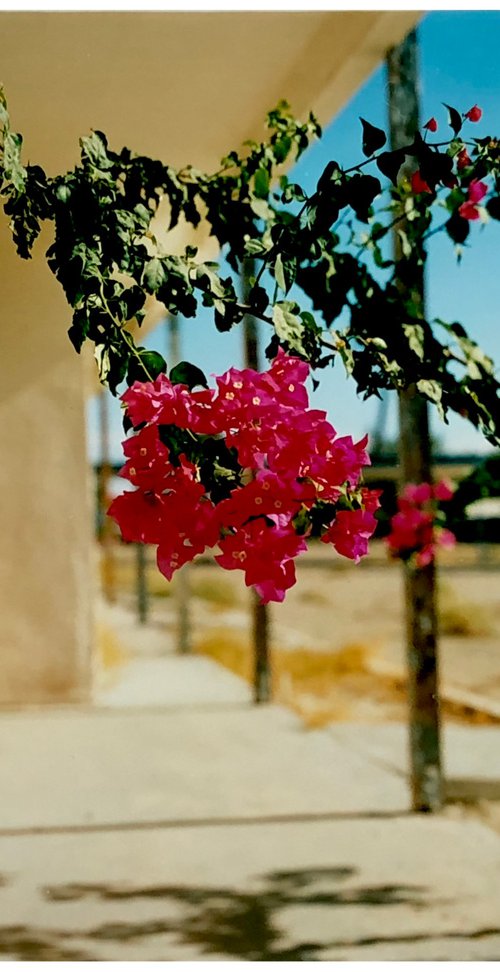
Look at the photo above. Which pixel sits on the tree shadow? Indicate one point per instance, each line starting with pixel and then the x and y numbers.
pixel 23 944
pixel 224 921
pixel 239 925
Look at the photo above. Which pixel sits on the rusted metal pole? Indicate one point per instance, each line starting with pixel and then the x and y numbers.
pixel 142 583
pixel 183 586
pixel 415 462
pixel 105 524
pixel 260 612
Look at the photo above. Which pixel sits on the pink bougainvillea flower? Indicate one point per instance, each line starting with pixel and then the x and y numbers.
pixel 188 522
pixel 410 528
pixel 417 493
pixel 419 185
pixel 474 114
pixel 260 511
pixel 138 515
pixel 476 191
pixel 252 441
pixel 286 378
pixel 426 555
pixel 204 419
pixel 413 530
pixel 265 553
pixel 148 461
pixel 431 125
pixel 275 588
pixel 340 462
pixel 188 527
pixel 145 446
pixel 443 490
pixel 243 396
pixel 463 159
pixel 269 493
pixel 298 440
pixel 446 538
pixel 370 498
pixel 352 456
pixel 469 211
pixel 144 400
pixel 350 533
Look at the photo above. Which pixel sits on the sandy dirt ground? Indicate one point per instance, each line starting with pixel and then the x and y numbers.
pixel 343 625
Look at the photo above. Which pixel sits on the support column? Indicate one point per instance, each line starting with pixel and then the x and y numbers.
pixel 183 576
pixel 260 612
pixel 45 513
pixel 415 460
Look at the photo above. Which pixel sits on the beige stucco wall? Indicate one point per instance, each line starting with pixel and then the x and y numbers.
pixel 184 87
pixel 45 635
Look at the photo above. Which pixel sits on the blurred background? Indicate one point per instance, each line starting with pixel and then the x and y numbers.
pixel 150 809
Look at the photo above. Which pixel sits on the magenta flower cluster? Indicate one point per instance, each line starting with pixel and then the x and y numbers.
pixel 291 478
pixel 415 532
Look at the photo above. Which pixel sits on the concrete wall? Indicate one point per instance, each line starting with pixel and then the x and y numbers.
pixel 45 634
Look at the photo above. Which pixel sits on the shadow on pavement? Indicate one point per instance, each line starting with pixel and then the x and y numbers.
pixel 215 920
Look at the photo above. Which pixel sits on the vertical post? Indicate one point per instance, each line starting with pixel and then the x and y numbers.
pixel 415 462
pixel 183 613
pixel 260 612
pixel 105 525
pixel 183 587
pixel 142 583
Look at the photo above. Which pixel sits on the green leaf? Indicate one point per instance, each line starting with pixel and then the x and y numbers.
pixel 455 120
pixel 145 366
pixel 189 374
pixel 261 208
pixel 361 190
pixel 347 357
pixel 457 228
pixel 293 191
pixel 63 193
pixel 406 247
pixel 95 150
pixel 390 163
pixel 101 354
pixel 285 270
pixel 256 247
pixel 434 166
pixel 288 325
pixel 213 282
pixel 332 173
pixel 416 337
pixel 493 207
pixel 79 329
pixel 281 148
pixel 14 171
pixel 432 390
pixel 261 183
pixel 373 138
pixel 154 275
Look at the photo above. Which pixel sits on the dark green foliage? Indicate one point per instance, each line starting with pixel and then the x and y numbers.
pixel 455 120
pixel 373 138
pixel 145 366
pixel 390 163
pixel 493 207
pixel 457 228
pixel 188 374
pixel 110 257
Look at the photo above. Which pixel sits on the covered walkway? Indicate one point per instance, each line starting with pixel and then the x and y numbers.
pixel 203 828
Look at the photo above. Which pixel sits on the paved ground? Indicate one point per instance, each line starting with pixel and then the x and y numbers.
pixel 199 827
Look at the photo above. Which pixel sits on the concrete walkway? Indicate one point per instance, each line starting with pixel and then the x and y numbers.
pixel 204 828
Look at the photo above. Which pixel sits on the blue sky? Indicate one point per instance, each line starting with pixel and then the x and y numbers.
pixel 458 65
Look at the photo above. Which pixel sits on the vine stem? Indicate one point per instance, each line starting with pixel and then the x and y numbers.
pixel 125 336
